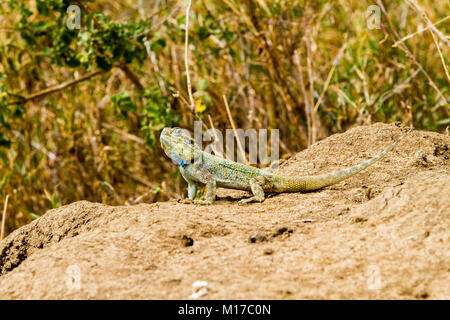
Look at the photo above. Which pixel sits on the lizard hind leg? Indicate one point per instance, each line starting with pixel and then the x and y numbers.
pixel 256 185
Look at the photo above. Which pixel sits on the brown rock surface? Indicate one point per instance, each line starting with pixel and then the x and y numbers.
pixel 383 233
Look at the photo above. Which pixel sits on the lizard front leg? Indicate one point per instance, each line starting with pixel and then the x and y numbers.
pixel 192 185
pixel 256 184
pixel 207 178
pixel 192 190
pixel 194 173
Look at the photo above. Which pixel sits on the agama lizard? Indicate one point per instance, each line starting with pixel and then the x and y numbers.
pixel 198 167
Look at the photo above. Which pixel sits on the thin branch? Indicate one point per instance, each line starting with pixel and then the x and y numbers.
pixel 136 178
pixel 409 54
pixel 160 23
pixel 398 88
pixel 4 29
pixel 419 31
pixel 330 75
pixel 186 59
pixel 132 76
pixel 57 88
pixel 311 89
pixel 123 134
pixel 297 63
pixel 433 32
pixel 70 83
pixel 414 4
pixel 441 56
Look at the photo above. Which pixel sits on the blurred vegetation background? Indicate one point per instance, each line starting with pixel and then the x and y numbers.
pixel 81 110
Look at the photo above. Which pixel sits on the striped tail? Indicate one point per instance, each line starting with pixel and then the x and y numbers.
pixel 310 183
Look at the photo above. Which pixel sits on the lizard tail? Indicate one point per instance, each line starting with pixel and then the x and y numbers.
pixel 310 183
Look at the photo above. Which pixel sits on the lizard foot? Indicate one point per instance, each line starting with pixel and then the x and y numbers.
pixel 249 200
pixel 256 184
pixel 204 202
pixel 186 201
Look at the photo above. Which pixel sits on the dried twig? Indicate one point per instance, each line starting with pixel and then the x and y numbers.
pixel 409 54
pixel 433 32
pixel 186 59
pixel 314 119
pixel 132 76
pixel 160 23
pixel 419 31
pixel 136 178
pixel 62 86
pixel 125 135
pixel 398 88
pixel 297 63
pixel 57 88
pixel 444 65
pixel 330 75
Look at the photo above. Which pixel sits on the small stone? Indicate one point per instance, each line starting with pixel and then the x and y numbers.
pixel 187 241
pixel 199 289
pixel 268 251
pixel 282 230
pixel 368 193
pixel 257 237
pixel 423 295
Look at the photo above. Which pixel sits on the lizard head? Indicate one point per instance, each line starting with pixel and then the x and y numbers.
pixel 178 145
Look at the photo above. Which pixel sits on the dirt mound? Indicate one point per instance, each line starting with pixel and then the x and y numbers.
pixel 381 234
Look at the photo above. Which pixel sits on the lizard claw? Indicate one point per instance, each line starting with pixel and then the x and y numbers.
pixel 244 201
pixel 251 199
